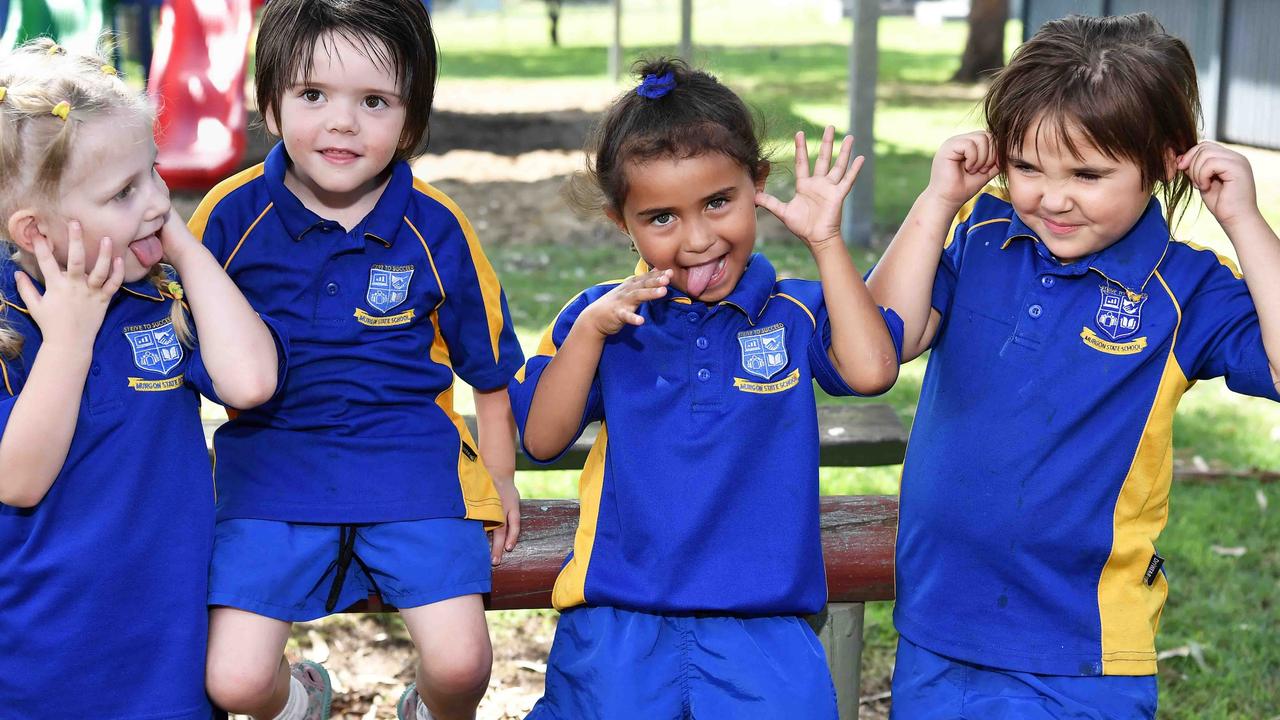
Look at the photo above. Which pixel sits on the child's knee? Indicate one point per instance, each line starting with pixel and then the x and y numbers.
pixel 236 686
pixel 463 674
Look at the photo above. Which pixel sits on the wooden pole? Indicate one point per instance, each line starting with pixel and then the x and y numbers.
pixel 686 30
pixel 615 49
pixel 839 628
pixel 859 208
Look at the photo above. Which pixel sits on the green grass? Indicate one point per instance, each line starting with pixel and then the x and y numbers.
pixel 792 66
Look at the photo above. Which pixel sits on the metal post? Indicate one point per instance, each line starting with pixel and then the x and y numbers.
pixel 859 208
pixel 839 627
pixel 615 50
pixel 686 30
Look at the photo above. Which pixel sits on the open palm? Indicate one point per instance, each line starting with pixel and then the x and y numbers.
pixel 813 215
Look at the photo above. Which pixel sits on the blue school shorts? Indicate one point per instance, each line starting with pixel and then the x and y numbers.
pixel 927 686
pixel 613 664
pixel 300 571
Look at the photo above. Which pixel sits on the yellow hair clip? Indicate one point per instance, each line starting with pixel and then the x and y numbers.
pixel 62 110
pixel 54 49
pixel 175 289
pixel 3 91
pixel 109 70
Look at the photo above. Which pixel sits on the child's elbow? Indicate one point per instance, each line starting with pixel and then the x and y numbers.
pixel 251 391
pixel 876 376
pixel 19 496
pixel 541 449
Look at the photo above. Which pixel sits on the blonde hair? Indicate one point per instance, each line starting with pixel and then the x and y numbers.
pixel 48 93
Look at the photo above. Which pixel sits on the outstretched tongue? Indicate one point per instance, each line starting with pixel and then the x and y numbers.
pixel 148 250
pixel 698 277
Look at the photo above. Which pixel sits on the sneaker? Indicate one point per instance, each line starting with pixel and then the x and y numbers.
pixel 407 705
pixel 315 679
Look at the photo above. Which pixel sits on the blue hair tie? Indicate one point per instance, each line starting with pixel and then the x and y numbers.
pixel 656 86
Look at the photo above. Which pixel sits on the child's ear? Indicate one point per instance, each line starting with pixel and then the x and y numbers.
pixel 616 218
pixel 24 229
pixel 269 119
pixel 1170 165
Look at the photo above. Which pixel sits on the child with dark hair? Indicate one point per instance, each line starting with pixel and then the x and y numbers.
pixel 1065 324
pixel 698 548
pixel 360 479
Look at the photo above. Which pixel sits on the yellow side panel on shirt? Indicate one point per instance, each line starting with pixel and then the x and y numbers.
pixel 1129 608
pixel 571 585
pixel 478 492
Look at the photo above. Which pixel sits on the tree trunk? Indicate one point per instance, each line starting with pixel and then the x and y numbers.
pixel 553 15
pixel 984 51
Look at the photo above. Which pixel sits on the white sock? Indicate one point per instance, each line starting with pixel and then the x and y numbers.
pixel 423 712
pixel 296 705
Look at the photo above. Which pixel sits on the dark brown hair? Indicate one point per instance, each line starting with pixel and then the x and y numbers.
pixel 696 116
pixel 1122 82
pixel 395 34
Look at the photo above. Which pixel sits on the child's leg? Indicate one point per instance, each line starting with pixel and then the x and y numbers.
pixel 246 672
pixel 452 639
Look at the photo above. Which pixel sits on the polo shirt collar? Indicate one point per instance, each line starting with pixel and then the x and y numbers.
pixel 754 288
pixel 143 288
pixel 1130 261
pixel 380 225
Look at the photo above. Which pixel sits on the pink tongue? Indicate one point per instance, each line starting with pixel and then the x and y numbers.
pixel 698 277
pixel 148 250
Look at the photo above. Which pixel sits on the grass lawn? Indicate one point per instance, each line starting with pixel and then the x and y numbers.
pixel 1221 627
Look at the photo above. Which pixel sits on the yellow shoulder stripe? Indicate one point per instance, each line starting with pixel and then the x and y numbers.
pixel 200 218
pixel 1222 259
pixel 967 209
pixel 490 290
pixel 797 302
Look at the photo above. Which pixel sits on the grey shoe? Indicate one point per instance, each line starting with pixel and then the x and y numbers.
pixel 315 679
pixel 407 705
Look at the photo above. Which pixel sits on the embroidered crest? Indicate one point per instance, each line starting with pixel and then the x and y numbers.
pixel 764 351
pixel 1120 313
pixel 155 347
pixel 388 286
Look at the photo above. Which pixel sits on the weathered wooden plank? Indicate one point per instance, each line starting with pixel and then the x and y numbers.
pixel 850 436
pixel 857 543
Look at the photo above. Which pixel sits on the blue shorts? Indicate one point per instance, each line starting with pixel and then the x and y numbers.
pixel 617 664
pixel 289 571
pixel 927 686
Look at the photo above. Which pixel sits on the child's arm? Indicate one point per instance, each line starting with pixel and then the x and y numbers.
pixel 862 349
pixel 1225 182
pixel 555 412
pixel 497 430
pixel 238 350
pixel 903 279
pixel 69 314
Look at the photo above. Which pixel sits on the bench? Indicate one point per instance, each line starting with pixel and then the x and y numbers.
pixel 858 534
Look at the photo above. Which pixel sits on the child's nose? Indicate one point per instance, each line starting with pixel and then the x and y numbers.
pixel 1055 199
pixel 698 237
pixel 342 120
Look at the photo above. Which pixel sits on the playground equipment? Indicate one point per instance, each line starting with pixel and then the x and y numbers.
pixel 197 78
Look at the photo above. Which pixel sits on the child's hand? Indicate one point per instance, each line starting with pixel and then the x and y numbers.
pixel 961 167
pixel 1224 180
pixel 617 308
pixel 504 539
pixel 813 215
pixel 70 311
pixel 176 239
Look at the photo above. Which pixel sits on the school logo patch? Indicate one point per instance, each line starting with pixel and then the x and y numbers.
pixel 764 351
pixel 155 346
pixel 1120 313
pixel 388 286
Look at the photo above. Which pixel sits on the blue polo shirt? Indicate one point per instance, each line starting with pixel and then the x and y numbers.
pixel 701 491
pixel 380 319
pixel 1037 477
pixel 103 583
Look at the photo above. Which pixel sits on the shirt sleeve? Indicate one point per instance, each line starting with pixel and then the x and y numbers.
pixel 524 384
pixel 198 375
pixel 1220 335
pixel 474 319
pixel 944 282
pixel 820 365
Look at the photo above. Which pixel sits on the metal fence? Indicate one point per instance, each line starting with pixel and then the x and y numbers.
pixel 1237 64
